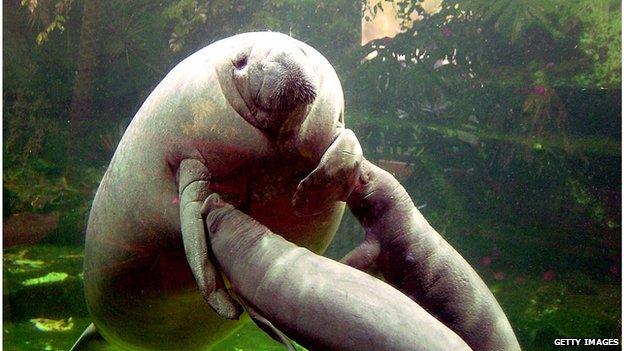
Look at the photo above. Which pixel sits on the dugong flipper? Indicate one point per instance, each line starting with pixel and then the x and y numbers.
pixel 88 339
pixel 334 177
pixel 193 191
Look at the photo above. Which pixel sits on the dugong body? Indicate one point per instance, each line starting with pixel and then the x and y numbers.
pixel 230 119
pixel 326 305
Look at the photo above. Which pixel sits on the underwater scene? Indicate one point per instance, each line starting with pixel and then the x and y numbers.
pixel 500 120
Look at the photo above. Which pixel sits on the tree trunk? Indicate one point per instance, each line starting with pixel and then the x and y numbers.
pixel 81 107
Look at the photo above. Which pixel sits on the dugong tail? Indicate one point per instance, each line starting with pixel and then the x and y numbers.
pixel 90 339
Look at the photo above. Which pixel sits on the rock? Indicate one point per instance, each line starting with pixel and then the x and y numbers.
pixel 28 228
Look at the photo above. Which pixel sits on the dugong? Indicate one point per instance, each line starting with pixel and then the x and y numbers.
pixel 414 258
pixel 248 117
pixel 324 304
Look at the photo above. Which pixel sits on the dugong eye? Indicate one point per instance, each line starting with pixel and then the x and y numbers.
pixel 241 61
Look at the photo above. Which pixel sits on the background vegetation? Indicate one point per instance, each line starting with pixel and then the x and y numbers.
pixel 502 119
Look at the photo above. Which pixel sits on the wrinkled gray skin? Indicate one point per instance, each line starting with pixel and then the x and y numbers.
pixel 249 117
pixel 413 257
pixel 320 303
pixel 399 244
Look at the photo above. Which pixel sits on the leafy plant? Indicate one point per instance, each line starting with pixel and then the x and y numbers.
pixel 48 15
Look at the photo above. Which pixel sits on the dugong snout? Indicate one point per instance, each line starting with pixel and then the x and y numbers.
pixel 287 81
pixel 277 81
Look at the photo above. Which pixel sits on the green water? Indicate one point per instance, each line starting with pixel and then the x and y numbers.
pixel 570 306
pixel 61 300
pixel 502 119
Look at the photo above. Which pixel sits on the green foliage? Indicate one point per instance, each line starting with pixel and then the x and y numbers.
pixel 34 159
pixel 513 17
pixel 477 96
pixel 541 311
pixel 473 92
pixel 507 113
pixel 187 15
pixel 26 172
pixel 135 55
pixel 49 14
pixel 330 26
pixel 601 41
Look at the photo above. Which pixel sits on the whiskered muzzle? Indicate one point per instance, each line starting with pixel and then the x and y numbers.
pixel 278 82
pixel 285 88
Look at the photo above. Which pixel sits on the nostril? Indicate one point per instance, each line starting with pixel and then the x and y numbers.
pixel 240 62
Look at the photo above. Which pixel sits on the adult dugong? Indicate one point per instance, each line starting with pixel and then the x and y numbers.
pixel 247 117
